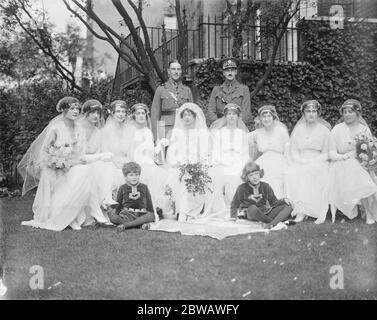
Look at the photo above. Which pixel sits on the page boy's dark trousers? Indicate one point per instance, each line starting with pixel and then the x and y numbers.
pixel 253 213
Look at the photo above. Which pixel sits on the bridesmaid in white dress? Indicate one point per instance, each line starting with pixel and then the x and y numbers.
pixel 306 180
pixel 271 140
pixel 230 152
pixel 114 140
pixel 62 195
pixel 141 149
pixel 350 183
pixel 91 122
pixel 189 143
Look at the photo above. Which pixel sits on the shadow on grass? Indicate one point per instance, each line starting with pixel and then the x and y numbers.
pixel 138 264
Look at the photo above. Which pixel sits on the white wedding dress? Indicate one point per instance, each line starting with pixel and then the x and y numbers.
pixel 188 146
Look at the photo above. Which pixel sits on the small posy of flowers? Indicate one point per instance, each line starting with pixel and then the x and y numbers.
pixel 366 151
pixel 169 194
pixel 195 176
pixel 61 158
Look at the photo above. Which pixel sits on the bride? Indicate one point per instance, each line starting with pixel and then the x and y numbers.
pixel 56 162
pixel 189 144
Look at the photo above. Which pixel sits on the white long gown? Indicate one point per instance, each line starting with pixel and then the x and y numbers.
pixel 307 184
pixel 350 184
pixel 141 150
pixel 108 175
pixel 230 152
pixel 272 145
pixel 64 198
pixel 188 146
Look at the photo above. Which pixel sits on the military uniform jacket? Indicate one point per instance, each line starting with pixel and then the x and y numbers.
pixel 222 95
pixel 167 98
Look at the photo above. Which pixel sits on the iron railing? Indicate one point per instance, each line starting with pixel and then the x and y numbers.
pixel 212 38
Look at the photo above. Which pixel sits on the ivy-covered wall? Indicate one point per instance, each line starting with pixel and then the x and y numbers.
pixel 335 65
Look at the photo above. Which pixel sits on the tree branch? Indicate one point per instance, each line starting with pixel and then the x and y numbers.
pixel 48 52
pixel 147 43
pixel 108 39
pixel 283 29
pixel 104 27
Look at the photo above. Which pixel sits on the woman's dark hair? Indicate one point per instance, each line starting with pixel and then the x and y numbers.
pixel 65 103
pixel 134 110
pixel 188 110
pixel 91 106
pixel 249 168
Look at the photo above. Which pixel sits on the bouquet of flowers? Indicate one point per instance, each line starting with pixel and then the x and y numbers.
pixel 195 176
pixel 61 158
pixel 366 151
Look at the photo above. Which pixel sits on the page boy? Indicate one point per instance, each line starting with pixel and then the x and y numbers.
pixel 135 206
pixel 255 200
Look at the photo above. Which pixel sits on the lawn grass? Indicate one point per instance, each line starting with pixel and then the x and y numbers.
pixel 138 264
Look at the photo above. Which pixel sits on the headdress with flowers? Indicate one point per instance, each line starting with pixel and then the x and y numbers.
pixel 355 105
pixel 66 102
pixel 141 106
pixel 219 123
pixel 270 108
pixel 318 107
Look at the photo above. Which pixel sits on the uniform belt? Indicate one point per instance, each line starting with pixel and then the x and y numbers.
pixel 168 112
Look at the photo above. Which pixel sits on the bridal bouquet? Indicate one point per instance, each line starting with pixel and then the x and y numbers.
pixel 195 176
pixel 366 151
pixel 61 158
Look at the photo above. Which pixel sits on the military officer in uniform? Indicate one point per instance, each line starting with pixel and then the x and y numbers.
pixel 167 98
pixel 231 91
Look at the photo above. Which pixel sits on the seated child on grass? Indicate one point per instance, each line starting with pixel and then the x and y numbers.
pixel 255 200
pixel 134 201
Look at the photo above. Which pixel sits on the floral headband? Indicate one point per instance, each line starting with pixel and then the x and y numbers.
pixel 118 103
pixel 232 106
pixel 311 104
pixel 139 106
pixel 268 108
pixel 60 105
pixel 351 103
